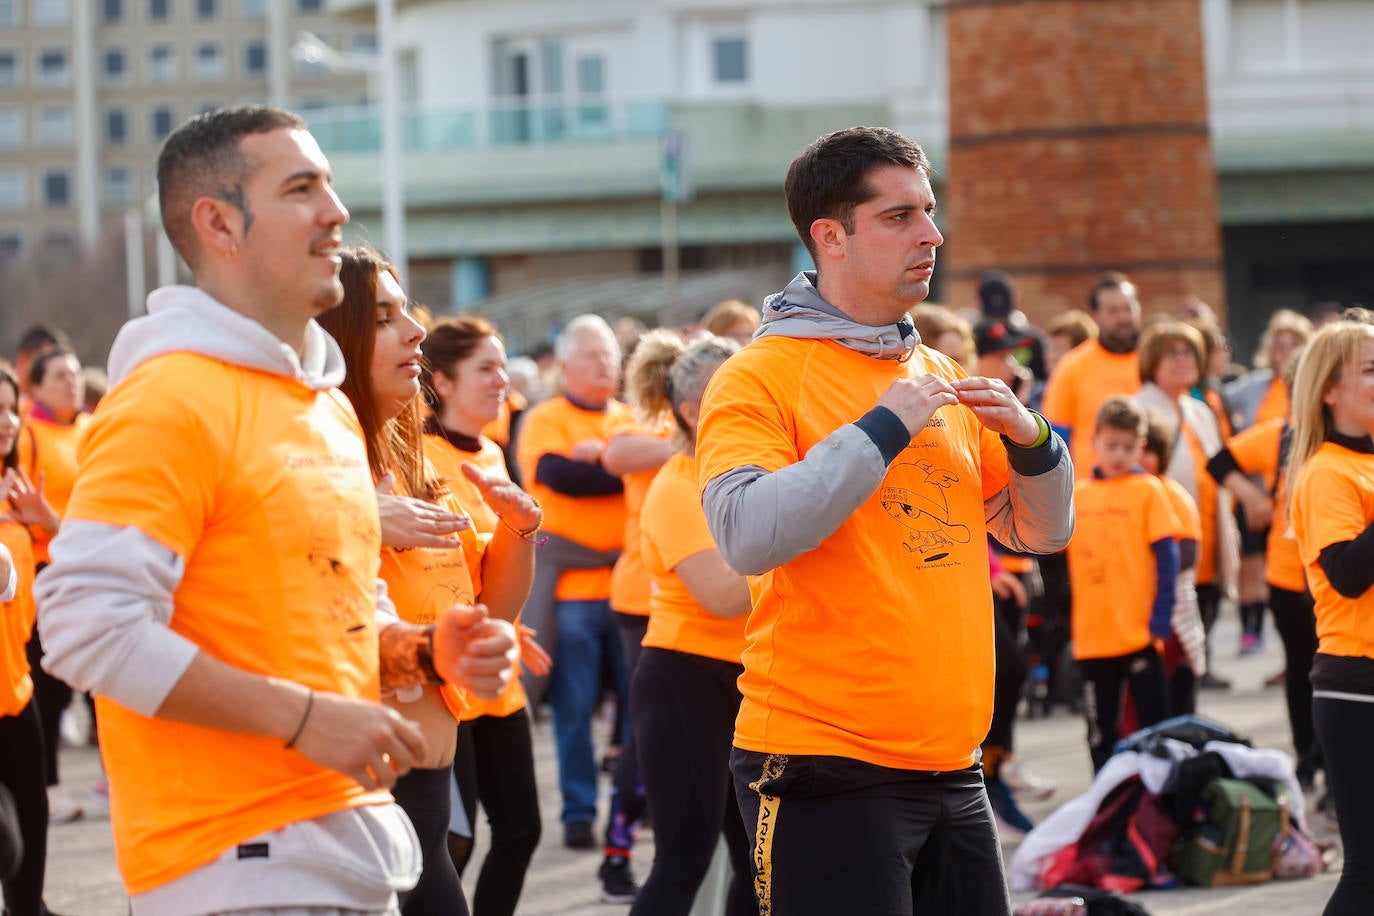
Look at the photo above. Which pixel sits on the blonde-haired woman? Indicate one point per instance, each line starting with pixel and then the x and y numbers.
pixel 684 697
pixel 1261 395
pixel 635 452
pixel 1331 467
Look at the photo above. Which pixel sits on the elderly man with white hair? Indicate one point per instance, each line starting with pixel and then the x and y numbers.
pixel 559 451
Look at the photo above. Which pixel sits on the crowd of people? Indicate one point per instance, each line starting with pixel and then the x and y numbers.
pixel 322 559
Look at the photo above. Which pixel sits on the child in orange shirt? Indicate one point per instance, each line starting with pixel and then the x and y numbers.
pixel 1123 561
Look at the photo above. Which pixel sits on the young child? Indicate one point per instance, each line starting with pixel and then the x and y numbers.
pixel 1123 564
pixel 1185 652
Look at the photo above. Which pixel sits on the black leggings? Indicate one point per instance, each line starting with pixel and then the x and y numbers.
pixel 684 709
pixel 1296 622
pixel 52 697
pixel 1009 679
pixel 1346 731
pixel 423 796
pixel 1103 679
pixel 495 765
pixel 628 803
pixel 21 771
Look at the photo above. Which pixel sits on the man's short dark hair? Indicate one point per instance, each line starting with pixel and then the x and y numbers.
pixel 202 158
pixel 1112 279
pixel 830 178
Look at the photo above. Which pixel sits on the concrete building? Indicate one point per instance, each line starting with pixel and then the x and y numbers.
pixel 535 141
pixel 89 89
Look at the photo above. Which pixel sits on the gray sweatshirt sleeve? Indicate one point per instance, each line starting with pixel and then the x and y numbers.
pixel 761 520
pixel 104 606
pixel 1034 513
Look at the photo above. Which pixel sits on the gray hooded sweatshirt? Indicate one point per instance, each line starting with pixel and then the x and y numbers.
pixel 762 520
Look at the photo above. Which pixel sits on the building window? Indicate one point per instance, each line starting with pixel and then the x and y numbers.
pixel 116 126
pixel 159 10
pixel 208 63
pixel 11 128
pixel 119 188
pixel 252 9
pixel 162 122
pixel 11 245
pixel 51 12
pixel 309 6
pixel 52 68
pixel 363 43
pixel 255 58
pixel 115 65
pixel 206 9
pixel 162 64
pixel 9 15
pixel 57 191
pixel 9 70
pixel 113 10
pixel 729 60
pixel 55 126
pixel 12 190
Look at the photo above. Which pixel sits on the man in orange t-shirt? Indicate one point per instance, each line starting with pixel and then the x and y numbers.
pixel 853 474
pixel 214 581
pixel 1097 369
pixel 559 449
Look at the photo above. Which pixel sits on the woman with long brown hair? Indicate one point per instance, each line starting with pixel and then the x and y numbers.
pixel 21 734
pixel 381 346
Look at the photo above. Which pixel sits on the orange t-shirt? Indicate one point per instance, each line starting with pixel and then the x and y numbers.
pixel 598 522
pixel 876 645
pixel 1257 452
pixel 423 582
pixel 1112 564
pixel 1275 404
pixel 1333 501
pixel 49 449
pixel 1206 503
pixel 16 620
pixel 1084 379
pixel 448 461
pixel 1184 509
pixel 261 485
pixel 674 529
pixel 629 577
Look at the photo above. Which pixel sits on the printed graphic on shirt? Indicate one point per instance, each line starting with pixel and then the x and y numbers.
pixel 344 585
pixel 923 511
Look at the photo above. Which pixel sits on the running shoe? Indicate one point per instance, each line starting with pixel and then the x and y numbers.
pixel 617 880
pixel 1023 783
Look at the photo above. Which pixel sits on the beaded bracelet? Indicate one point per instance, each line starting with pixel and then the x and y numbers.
pixel 529 534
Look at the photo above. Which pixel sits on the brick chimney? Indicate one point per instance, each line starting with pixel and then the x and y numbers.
pixel 1078 144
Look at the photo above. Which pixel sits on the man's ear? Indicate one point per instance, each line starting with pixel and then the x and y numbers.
pixel 829 237
pixel 218 225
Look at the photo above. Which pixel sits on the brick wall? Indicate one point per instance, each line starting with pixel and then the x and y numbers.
pixel 1079 143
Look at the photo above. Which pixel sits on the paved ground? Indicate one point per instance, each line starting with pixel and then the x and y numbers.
pixel 82 878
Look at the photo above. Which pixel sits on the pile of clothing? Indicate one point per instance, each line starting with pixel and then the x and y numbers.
pixel 1186 799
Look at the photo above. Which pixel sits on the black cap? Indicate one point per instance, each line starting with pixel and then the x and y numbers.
pixel 995 336
pixel 995 294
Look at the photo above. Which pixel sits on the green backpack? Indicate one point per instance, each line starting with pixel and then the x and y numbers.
pixel 1238 843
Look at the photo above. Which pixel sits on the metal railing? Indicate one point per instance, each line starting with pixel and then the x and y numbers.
pixel 357 128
